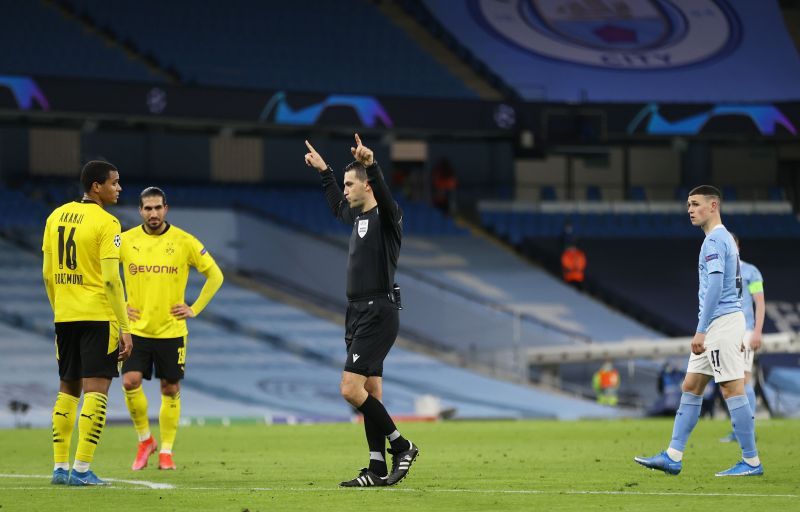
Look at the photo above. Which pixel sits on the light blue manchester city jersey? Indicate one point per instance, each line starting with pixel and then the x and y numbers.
pixel 752 282
pixel 719 254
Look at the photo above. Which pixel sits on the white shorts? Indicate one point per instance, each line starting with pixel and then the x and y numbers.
pixel 723 358
pixel 749 355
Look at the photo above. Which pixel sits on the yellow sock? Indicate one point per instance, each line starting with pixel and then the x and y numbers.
pixel 136 401
pixel 168 419
pixel 63 423
pixel 90 425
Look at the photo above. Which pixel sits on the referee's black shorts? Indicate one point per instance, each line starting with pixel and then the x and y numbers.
pixel 371 329
pixel 168 355
pixel 87 349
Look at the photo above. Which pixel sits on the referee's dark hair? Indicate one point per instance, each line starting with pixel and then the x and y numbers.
pixel 95 171
pixel 152 192
pixel 706 190
pixel 358 168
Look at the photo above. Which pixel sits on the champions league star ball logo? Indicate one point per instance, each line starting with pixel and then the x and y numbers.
pixel 616 34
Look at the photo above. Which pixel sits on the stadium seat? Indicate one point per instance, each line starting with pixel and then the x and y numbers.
pixel 637 193
pixel 775 194
pixel 729 193
pixel 255 44
pixel 67 50
pixel 547 193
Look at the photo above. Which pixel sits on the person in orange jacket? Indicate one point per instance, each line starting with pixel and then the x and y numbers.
pixel 573 264
pixel 606 384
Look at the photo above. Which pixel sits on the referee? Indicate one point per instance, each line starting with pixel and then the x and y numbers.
pixel 372 319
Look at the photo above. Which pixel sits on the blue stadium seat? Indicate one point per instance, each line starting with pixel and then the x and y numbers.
pixel 775 194
pixel 251 43
pixel 547 193
pixel 638 193
pixel 39 40
pixel 729 193
pixel 593 193
pixel 518 225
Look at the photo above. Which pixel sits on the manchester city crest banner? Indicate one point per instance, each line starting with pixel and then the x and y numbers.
pixel 630 50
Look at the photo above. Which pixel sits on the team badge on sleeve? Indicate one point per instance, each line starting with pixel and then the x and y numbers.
pixel 117 241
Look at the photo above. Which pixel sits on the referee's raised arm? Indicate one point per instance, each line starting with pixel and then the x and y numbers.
pixel 390 211
pixel 333 194
pixel 314 159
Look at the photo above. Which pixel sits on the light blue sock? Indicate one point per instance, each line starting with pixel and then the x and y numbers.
pixel 685 420
pixel 743 423
pixel 750 391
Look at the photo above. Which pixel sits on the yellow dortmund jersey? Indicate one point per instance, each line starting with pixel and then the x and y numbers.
pixel 156 269
pixel 76 237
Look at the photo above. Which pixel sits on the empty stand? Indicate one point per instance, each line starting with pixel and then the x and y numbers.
pixel 67 50
pixel 307 45
pixel 252 357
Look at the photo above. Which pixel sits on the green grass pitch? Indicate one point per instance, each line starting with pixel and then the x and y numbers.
pixel 508 465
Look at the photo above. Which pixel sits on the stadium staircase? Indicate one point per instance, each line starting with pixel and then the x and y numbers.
pixel 422 28
pixel 112 40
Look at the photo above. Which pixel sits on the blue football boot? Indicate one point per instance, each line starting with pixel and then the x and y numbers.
pixel 87 478
pixel 661 462
pixel 742 468
pixel 60 477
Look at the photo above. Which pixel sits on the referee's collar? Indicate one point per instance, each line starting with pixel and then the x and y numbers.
pixel 157 234
pixel 374 208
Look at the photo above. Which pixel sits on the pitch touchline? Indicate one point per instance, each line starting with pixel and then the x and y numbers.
pixel 161 486
pixel 497 491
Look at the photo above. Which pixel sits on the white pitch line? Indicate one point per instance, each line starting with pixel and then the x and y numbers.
pixel 143 483
pixel 160 486
pixel 487 491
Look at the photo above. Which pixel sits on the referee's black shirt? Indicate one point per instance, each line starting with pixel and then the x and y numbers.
pixel 376 236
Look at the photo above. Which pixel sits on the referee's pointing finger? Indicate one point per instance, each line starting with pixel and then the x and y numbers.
pixel 310 147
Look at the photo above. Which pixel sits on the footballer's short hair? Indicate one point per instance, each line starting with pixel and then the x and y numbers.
pixel 358 168
pixel 95 171
pixel 152 192
pixel 706 190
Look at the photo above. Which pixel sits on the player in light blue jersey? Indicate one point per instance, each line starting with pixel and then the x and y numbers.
pixel 716 346
pixel 754 308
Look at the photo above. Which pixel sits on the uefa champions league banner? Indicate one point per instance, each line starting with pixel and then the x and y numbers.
pixel 162 103
pixel 551 123
pixel 630 50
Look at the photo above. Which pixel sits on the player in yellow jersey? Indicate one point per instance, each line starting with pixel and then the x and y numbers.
pixel 156 257
pixel 81 247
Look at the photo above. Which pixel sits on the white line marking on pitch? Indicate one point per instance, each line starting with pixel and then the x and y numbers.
pixel 160 486
pixel 143 483
pixel 487 491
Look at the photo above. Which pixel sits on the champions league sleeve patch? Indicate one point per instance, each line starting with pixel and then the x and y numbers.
pixel 712 257
pixel 117 241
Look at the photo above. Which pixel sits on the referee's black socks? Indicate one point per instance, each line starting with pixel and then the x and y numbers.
pixel 377 447
pixel 373 410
